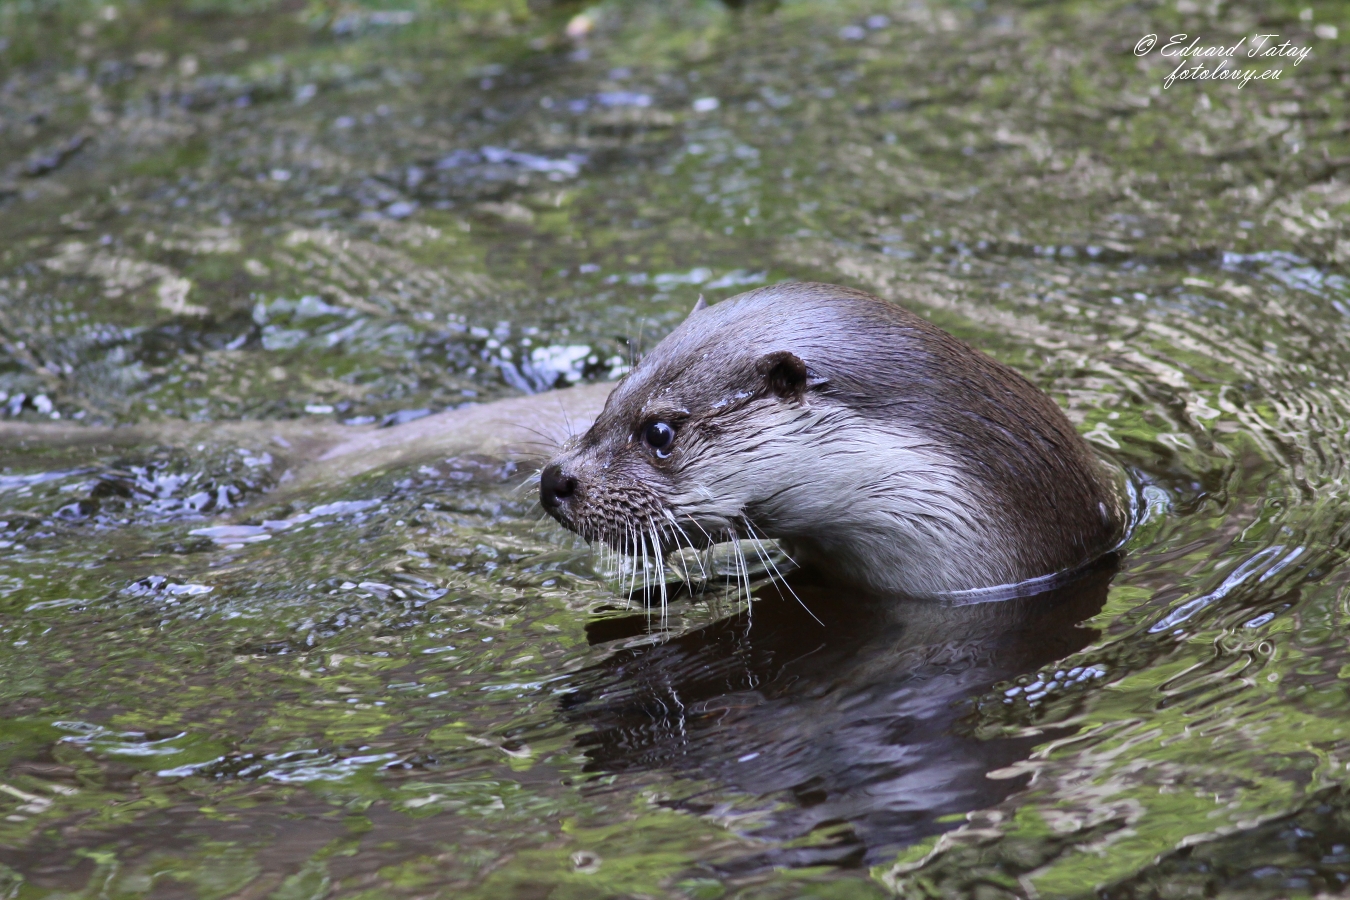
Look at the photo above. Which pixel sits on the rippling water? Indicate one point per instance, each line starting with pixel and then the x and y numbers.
pixel 242 232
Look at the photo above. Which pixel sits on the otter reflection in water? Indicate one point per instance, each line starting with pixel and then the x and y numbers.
pixel 864 718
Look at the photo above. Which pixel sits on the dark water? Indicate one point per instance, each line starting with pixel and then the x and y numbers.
pixel 227 223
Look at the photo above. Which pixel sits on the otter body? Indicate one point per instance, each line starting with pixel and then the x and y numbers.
pixel 874 446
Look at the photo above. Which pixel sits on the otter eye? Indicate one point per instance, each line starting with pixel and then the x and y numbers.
pixel 659 436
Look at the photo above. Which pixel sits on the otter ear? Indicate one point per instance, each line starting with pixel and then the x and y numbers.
pixel 701 304
pixel 786 375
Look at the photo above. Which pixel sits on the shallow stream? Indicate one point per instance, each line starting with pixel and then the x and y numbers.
pixel 225 223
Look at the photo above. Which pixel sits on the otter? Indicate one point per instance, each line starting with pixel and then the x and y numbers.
pixel 875 447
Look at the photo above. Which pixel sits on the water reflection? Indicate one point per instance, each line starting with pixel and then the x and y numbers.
pixel 857 723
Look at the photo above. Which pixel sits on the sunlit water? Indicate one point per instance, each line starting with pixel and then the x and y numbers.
pixel 413 686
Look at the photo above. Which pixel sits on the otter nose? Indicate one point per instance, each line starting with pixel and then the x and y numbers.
pixel 555 487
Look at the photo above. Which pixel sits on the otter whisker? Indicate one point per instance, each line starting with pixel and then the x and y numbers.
pixel 547 439
pixel 677 532
pixel 616 557
pixel 639 563
pixel 661 569
pixel 551 444
pixel 698 557
pixel 705 555
pixel 743 574
pixel 744 567
pixel 627 569
pixel 631 552
pixel 647 541
pixel 773 570
pixel 646 573
pixel 635 350
pixel 761 554
pixel 567 423
pixel 683 569
pixel 673 535
pixel 661 564
pixel 646 568
pixel 614 567
pixel 532 478
pixel 750 526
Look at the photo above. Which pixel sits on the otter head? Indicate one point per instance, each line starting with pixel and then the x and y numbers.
pixel 869 442
pixel 678 455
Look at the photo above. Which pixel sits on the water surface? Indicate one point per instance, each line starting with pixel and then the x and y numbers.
pixel 224 223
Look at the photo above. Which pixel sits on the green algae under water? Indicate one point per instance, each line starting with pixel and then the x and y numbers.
pixel 220 212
